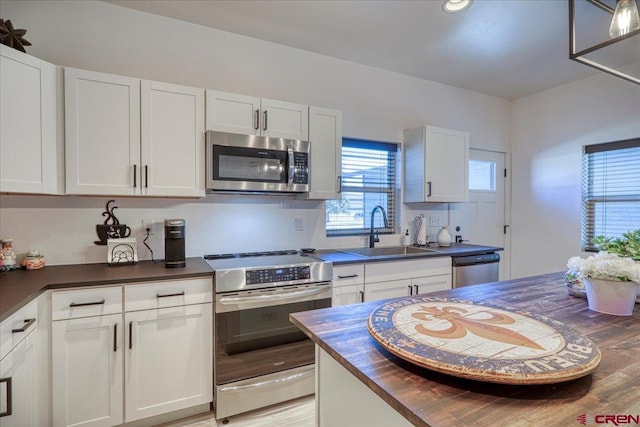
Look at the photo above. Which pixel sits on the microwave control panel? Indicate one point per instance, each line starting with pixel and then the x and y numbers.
pixel 301 165
pixel 273 275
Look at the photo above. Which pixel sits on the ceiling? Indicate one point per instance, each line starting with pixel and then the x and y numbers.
pixel 506 48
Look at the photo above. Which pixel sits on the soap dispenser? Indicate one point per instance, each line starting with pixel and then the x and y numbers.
pixel 444 238
pixel 405 238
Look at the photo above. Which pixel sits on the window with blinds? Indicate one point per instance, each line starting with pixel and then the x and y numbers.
pixel 610 190
pixel 368 180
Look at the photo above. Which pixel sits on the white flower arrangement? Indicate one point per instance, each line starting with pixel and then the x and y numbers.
pixel 605 266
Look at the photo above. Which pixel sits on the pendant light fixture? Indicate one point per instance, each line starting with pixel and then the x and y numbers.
pixel 623 27
pixel 625 18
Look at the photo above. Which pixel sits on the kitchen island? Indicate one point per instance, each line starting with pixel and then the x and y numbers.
pixel 369 386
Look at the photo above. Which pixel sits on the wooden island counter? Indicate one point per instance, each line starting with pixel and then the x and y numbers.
pixel 360 383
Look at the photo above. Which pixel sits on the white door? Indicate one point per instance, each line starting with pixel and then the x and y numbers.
pixel 168 360
pixel 325 136
pixel 172 138
pixel 281 119
pixel 87 371
pixel 482 219
pixel 351 294
pixel 28 157
pixel 383 290
pixel 102 140
pixel 232 112
pixel 18 383
pixel 423 285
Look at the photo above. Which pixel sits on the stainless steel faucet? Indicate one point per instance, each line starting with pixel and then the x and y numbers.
pixel 374 238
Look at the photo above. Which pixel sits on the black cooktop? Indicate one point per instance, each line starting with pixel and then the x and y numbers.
pixel 250 254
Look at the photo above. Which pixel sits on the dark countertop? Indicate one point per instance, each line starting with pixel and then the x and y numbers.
pixel 342 256
pixel 428 398
pixel 18 287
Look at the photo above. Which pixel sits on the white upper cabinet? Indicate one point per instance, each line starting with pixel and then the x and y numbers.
pixel 435 165
pixel 29 160
pixel 325 136
pixel 130 137
pixel 172 130
pixel 248 115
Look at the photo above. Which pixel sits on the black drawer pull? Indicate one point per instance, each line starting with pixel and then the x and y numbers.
pixel 180 294
pixel 9 411
pixel 82 304
pixel 27 323
pixel 349 276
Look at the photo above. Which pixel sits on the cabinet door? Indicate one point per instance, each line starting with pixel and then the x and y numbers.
pixel 168 360
pixel 447 165
pixel 281 119
pixel 325 135
pixel 423 285
pixel 343 295
pixel 18 386
pixel 102 125
pixel 172 139
pixel 28 131
pixel 383 290
pixel 234 113
pixel 87 371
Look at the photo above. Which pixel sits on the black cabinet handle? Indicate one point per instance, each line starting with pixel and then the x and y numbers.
pixel 410 290
pixel 146 176
pixel 135 176
pixel 82 304
pixel 130 334
pixel 115 337
pixel 256 120
pixel 180 294
pixel 361 296
pixel 416 289
pixel 349 276
pixel 27 323
pixel 265 120
pixel 429 187
pixel 9 411
pixel 340 184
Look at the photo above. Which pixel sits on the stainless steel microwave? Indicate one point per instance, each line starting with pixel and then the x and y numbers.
pixel 250 163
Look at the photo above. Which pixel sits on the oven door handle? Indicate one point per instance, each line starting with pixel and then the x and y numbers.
pixel 273 297
pixel 278 381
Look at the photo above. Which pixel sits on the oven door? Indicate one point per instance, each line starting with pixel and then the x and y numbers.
pixel 254 335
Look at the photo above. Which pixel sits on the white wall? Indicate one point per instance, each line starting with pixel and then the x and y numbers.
pixel 376 104
pixel 548 131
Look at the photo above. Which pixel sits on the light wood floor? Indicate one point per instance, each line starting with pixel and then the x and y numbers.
pixel 296 413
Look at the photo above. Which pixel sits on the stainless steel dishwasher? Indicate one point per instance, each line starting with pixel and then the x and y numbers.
pixel 475 269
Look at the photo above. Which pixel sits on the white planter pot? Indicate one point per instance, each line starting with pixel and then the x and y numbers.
pixel 611 297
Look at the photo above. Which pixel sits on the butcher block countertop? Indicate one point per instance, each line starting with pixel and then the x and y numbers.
pixel 428 398
pixel 18 287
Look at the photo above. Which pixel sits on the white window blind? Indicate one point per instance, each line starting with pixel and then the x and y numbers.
pixel 610 190
pixel 368 180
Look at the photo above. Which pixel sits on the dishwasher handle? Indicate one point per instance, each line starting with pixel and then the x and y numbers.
pixel 490 258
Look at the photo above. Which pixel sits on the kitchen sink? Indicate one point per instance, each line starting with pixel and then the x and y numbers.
pixel 384 251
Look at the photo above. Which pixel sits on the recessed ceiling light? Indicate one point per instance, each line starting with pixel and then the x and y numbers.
pixel 452 6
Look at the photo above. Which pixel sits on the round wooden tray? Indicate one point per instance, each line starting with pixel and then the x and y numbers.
pixel 481 341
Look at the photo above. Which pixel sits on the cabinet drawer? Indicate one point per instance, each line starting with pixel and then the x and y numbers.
pixel 85 302
pixel 345 275
pixel 16 327
pixel 170 293
pixel 394 270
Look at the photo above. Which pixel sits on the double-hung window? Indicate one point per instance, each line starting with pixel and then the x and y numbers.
pixel 610 190
pixel 368 179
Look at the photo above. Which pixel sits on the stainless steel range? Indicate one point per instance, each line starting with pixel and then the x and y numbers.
pixel 260 358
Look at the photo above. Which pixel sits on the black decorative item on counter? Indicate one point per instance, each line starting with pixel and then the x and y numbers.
pixel 12 37
pixel 111 228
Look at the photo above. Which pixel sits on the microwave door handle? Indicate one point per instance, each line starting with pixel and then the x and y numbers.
pixel 276 297
pixel 292 167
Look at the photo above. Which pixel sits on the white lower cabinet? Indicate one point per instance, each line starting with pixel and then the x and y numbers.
pixel 18 385
pixel 133 351
pixel 348 284
pixel 423 285
pixel 168 360
pixel 383 290
pixel 87 371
